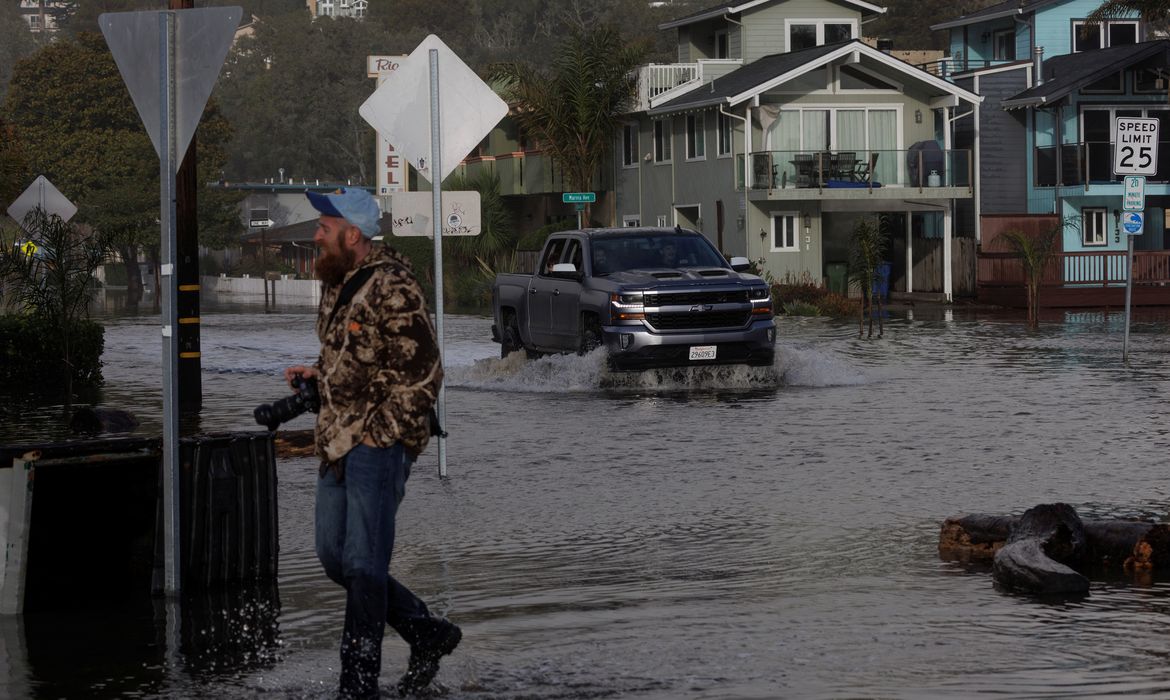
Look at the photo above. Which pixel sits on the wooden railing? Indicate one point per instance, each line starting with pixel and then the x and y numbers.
pixel 1076 269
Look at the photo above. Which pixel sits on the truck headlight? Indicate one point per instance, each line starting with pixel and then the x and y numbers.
pixel 758 293
pixel 627 307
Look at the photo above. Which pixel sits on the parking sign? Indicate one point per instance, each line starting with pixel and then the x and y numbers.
pixel 1135 146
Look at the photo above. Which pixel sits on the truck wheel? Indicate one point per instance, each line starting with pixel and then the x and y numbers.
pixel 510 341
pixel 590 338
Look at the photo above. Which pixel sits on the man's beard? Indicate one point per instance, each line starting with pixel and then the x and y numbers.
pixel 330 268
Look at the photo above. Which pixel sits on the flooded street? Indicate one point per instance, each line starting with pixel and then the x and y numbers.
pixel 728 534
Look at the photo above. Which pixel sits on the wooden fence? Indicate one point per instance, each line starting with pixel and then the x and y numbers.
pixel 928 266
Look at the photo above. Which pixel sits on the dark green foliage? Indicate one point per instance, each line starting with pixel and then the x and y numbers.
pixel 31 353
pixel 535 240
pixel 796 298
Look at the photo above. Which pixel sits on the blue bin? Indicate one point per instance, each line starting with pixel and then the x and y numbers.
pixel 881 285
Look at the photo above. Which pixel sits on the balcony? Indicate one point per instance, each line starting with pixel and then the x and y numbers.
pixel 793 174
pixel 1088 163
pixel 666 80
pixel 951 65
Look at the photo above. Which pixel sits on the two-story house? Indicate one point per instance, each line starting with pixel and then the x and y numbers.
pixel 779 128
pixel 1053 85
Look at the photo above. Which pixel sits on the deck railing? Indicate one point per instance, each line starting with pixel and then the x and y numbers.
pixel 1101 269
pixel 779 170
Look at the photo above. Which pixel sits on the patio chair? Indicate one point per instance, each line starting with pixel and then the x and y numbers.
pixel 846 165
pixel 805 165
pixel 864 170
pixel 762 171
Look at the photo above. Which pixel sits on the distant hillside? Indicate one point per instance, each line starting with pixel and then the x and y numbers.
pixel 907 22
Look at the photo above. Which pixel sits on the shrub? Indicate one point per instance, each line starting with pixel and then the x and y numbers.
pixel 31 352
pixel 535 240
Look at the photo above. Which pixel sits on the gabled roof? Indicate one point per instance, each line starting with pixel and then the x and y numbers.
pixel 1007 8
pixel 737 6
pixel 774 70
pixel 1066 74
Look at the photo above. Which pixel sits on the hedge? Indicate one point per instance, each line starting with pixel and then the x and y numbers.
pixel 31 354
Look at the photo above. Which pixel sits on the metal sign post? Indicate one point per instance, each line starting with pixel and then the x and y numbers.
pixel 1135 153
pixel 437 218
pixel 170 61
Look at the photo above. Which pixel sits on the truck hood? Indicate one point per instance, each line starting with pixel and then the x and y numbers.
pixel 660 278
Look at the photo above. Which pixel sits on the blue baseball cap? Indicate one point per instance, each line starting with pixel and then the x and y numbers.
pixel 353 204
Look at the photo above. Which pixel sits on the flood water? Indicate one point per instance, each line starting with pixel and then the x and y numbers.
pixel 736 534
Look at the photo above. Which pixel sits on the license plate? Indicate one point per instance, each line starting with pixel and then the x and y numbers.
pixel 702 352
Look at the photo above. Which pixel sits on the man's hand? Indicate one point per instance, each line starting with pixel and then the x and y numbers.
pixel 305 372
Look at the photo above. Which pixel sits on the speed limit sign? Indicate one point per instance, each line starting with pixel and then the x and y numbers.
pixel 1135 146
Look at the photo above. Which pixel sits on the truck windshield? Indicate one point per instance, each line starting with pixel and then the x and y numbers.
pixel 622 253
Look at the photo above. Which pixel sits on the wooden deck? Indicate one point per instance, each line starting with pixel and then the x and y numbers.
pixel 1074 280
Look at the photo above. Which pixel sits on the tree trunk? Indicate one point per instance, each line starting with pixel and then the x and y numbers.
pixel 133 277
pixel 1113 544
pixel 156 265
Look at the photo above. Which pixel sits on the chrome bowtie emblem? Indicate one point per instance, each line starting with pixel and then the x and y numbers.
pixel 701 307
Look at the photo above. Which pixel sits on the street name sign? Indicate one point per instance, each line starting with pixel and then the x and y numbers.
pixel 1132 222
pixel 1135 146
pixel 41 193
pixel 411 212
pixel 578 197
pixel 400 110
pixel 1135 193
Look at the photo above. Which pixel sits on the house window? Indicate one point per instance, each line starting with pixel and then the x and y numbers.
pixel 630 145
pixel 1149 81
pixel 1094 229
pixel 784 232
pixel 1004 48
pixel 1111 83
pixel 662 141
pixel 722 46
pixel 34 23
pixel 1101 36
pixel 631 221
pixel 807 33
pixel 662 221
pixel 724 145
pixel 696 137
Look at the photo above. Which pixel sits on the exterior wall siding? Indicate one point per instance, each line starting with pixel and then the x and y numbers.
pixel 1054 25
pixel 764 26
pixel 1002 142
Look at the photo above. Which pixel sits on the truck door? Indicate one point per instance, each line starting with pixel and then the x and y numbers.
pixel 566 299
pixel 540 295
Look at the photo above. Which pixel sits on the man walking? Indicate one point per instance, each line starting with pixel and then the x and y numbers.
pixel 378 376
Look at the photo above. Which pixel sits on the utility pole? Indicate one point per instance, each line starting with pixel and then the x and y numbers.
pixel 190 388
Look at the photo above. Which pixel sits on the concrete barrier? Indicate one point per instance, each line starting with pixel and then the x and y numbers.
pixel 250 290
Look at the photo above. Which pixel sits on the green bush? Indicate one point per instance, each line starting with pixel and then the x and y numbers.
pixel 806 298
pixel 31 352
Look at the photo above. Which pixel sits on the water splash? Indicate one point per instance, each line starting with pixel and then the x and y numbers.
pixel 572 373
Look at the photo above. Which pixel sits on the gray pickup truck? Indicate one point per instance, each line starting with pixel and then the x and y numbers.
pixel 653 297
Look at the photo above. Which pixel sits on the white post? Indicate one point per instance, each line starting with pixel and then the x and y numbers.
pixel 909 252
pixel 437 217
pixel 1128 297
pixel 948 289
pixel 168 158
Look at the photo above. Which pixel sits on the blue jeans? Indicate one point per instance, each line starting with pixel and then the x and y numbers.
pixel 355 537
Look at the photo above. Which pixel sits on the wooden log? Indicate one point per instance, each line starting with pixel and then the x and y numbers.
pixel 1044 545
pixel 1131 544
pixel 294 443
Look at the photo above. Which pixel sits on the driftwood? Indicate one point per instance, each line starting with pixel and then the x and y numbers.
pixel 1108 544
pixel 1041 551
pixel 294 443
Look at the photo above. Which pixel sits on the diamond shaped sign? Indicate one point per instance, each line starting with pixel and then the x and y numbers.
pixel 41 193
pixel 400 108
pixel 202 39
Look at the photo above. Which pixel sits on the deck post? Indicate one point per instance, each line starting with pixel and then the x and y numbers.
pixel 909 252
pixel 947 235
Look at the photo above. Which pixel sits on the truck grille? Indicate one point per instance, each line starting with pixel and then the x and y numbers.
pixel 734 296
pixel 702 319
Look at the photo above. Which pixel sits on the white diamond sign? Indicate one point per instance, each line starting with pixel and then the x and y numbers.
pixel 41 193
pixel 400 108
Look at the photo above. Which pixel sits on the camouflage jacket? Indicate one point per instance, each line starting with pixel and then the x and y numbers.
pixel 379 366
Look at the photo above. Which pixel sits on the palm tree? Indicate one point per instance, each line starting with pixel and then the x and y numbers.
pixel 867 249
pixel 1035 253
pixel 575 106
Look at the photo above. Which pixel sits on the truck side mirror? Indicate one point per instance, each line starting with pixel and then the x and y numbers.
pixel 740 264
pixel 564 269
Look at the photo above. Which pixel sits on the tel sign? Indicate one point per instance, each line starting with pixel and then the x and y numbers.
pixel 1135 146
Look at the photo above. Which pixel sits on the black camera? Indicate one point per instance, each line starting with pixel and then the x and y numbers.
pixel 271 415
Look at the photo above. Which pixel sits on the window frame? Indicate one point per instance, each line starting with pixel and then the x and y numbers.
pixel 630 156
pixel 996 38
pixel 724 136
pixel 1102 235
pixel 664 140
pixel 722 48
pixel 631 220
pixel 1103 37
pixel 696 137
pixel 794 233
pixel 819 24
